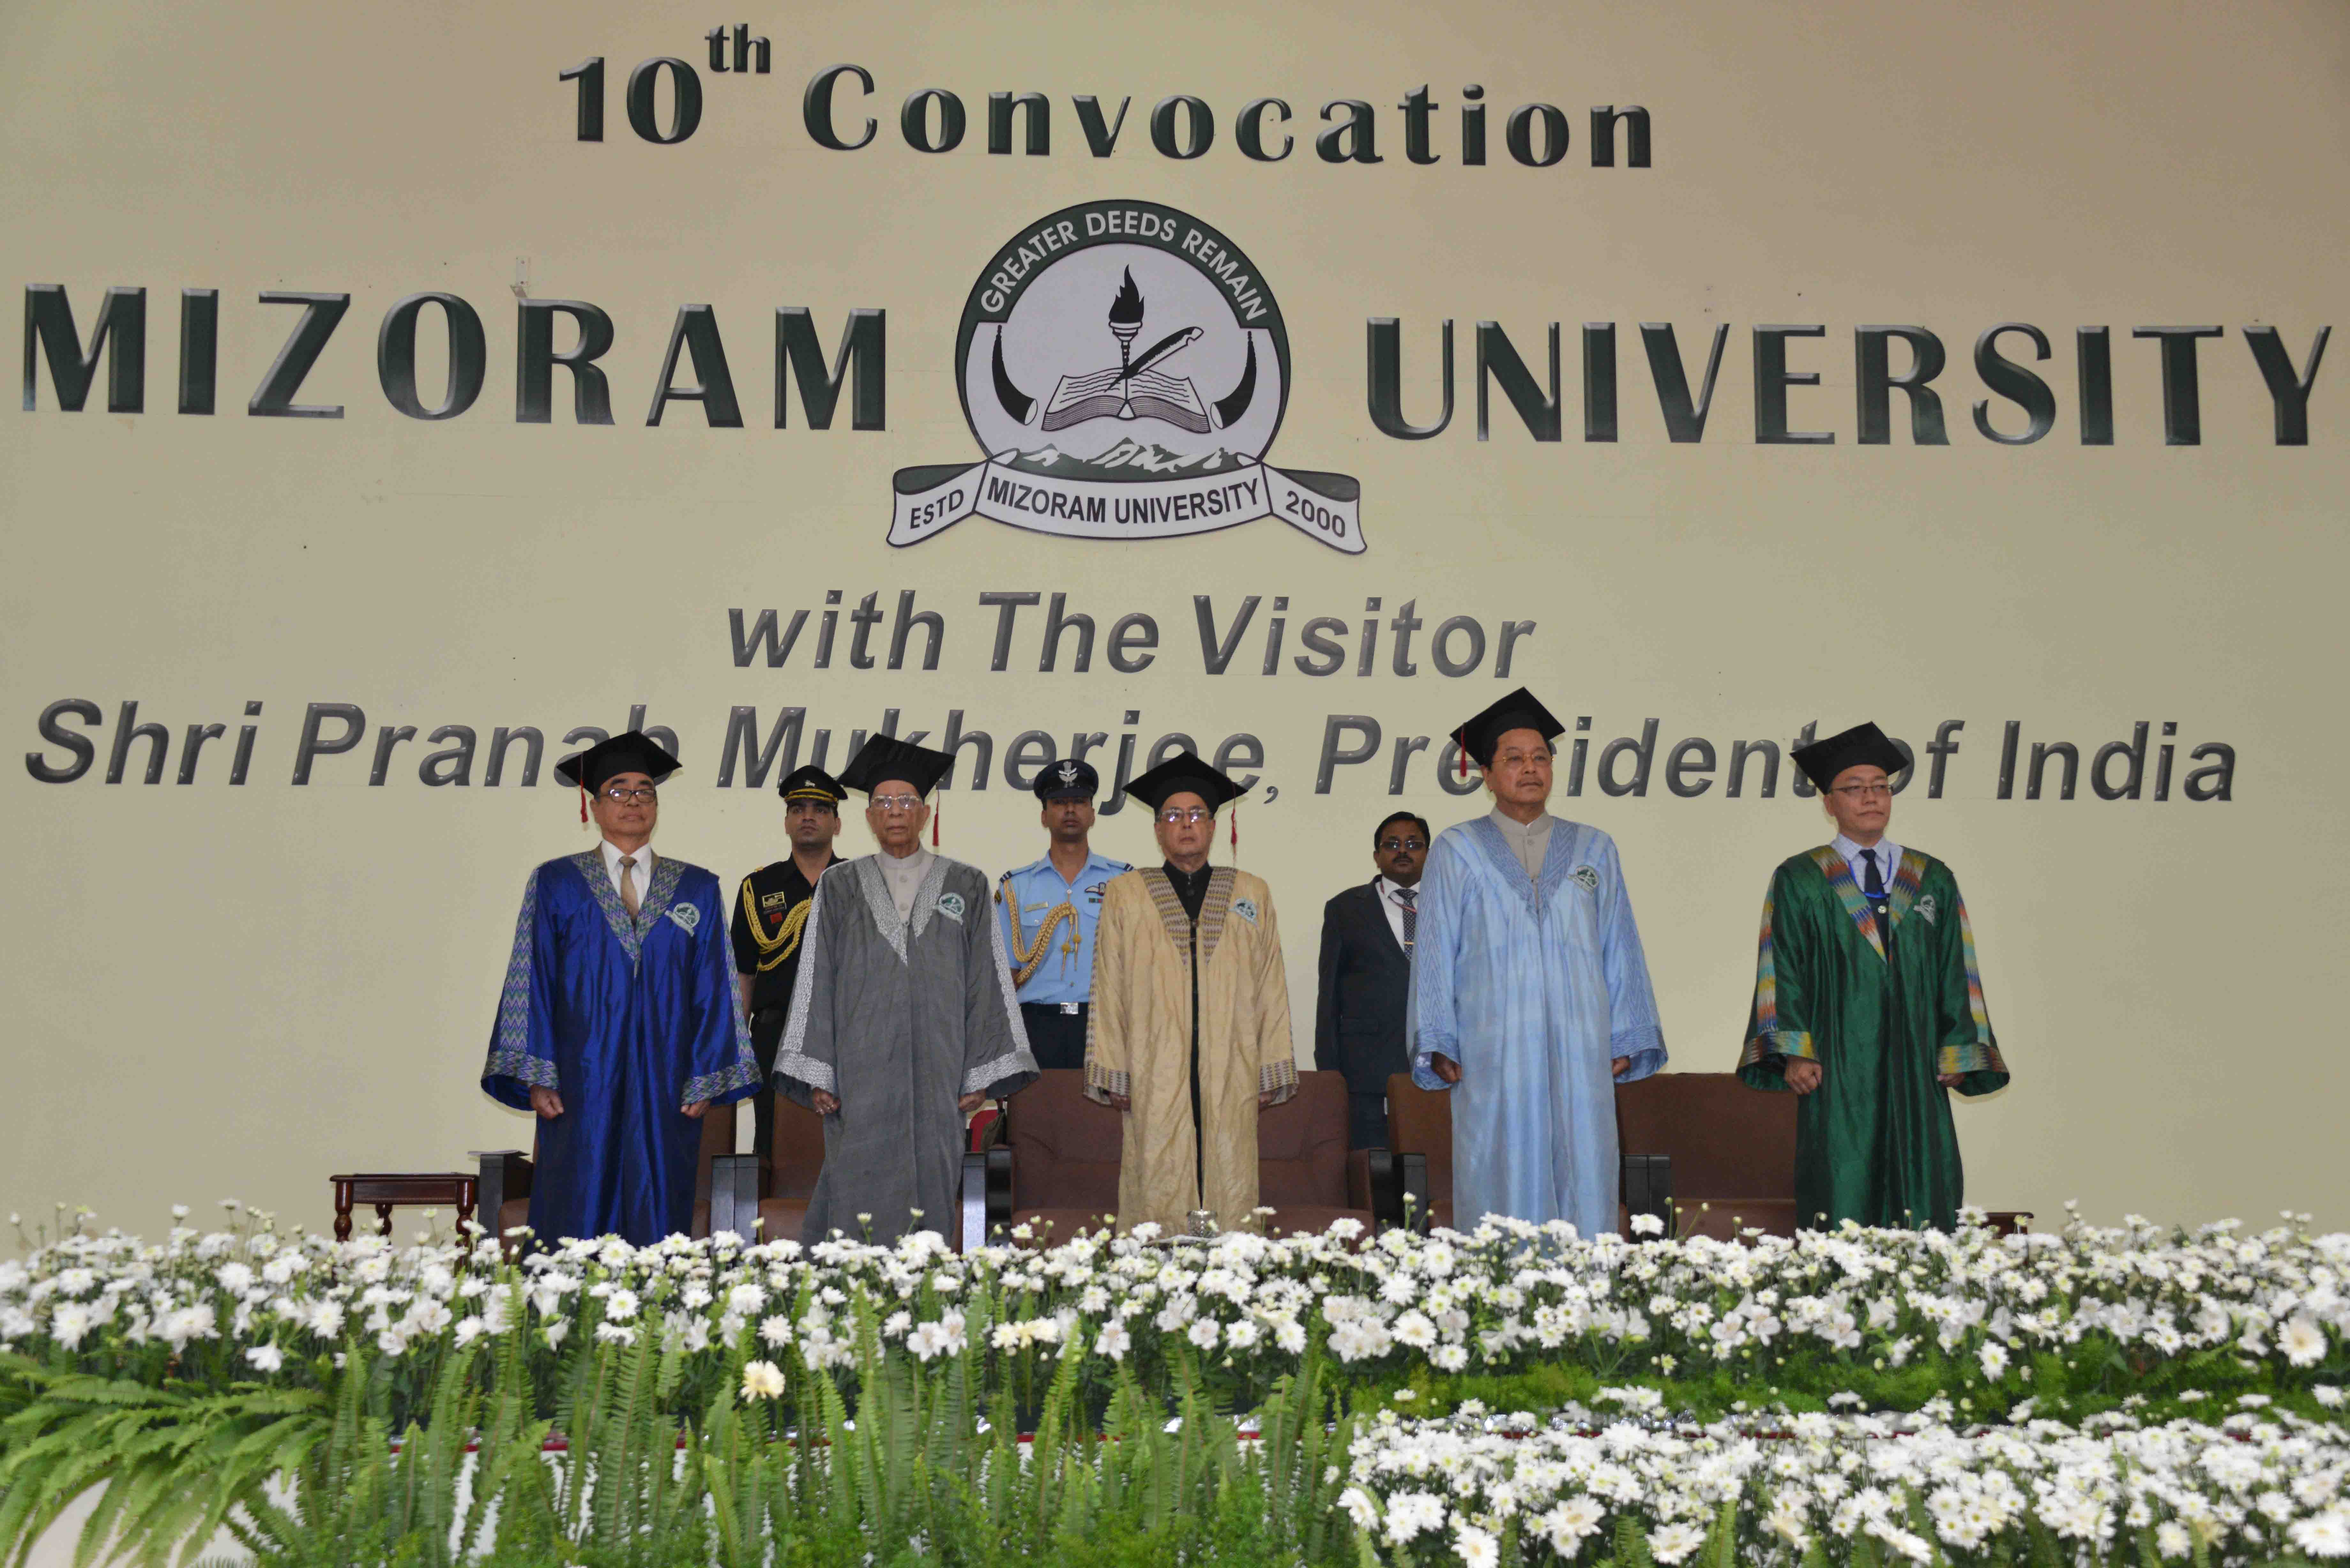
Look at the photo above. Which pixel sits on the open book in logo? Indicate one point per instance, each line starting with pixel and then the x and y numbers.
pixel 1124 369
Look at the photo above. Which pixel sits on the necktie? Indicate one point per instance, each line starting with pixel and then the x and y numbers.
pixel 629 884
pixel 1873 886
pixel 1409 898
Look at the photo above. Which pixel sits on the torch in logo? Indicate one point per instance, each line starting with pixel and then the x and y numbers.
pixel 1124 322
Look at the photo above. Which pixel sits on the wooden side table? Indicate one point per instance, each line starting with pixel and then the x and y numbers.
pixel 389 1191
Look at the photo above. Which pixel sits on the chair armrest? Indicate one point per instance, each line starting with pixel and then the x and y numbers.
pixel 986 1195
pixel 506 1173
pixel 2009 1221
pixel 1412 1201
pixel 1646 1182
pixel 735 1195
pixel 1382 1192
pixel 1358 1176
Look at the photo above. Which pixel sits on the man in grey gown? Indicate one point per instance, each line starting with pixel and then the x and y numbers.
pixel 904 1018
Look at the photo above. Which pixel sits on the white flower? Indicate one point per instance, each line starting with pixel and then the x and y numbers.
pixel 1114 1341
pixel 2171 1539
pixel 761 1380
pixel 775 1330
pixel 69 1323
pixel 2302 1341
pixel 1647 1225
pixel 622 1307
pixel 468 1331
pixel 267 1357
pixel 2327 1394
pixel 1993 1356
pixel 1359 1507
pixel 2324 1534
pixel 554 1331
pixel 1204 1333
pixel 1675 1542
pixel 1475 1548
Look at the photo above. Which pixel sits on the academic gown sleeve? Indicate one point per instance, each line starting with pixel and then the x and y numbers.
pixel 1634 1030
pixel 1779 1021
pixel 807 1056
pixel 997 1058
pixel 1276 1062
pixel 522 1042
pixel 1107 1047
pixel 1431 1012
pixel 1965 1045
pixel 722 1067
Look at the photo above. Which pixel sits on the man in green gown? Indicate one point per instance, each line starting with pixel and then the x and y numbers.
pixel 1868 1004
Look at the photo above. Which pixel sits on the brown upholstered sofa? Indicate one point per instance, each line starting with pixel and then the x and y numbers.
pixel 1057 1169
pixel 768 1203
pixel 503 1195
pixel 1707 1152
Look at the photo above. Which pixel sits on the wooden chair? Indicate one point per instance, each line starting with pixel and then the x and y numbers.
pixel 769 1204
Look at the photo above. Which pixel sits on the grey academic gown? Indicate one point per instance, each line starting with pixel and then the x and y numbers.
pixel 899 1018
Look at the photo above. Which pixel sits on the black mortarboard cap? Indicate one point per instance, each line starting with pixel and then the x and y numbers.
pixel 811 784
pixel 1179 773
pixel 1067 779
pixel 1863 746
pixel 885 757
pixel 1481 735
pixel 628 753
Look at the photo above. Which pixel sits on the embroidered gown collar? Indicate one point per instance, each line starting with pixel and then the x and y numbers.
pixel 629 933
pixel 1212 909
pixel 1898 898
pixel 1566 843
pixel 884 909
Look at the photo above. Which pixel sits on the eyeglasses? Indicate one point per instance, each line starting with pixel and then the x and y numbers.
pixel 1518 758
pixel 1863 792
pixel 1393 845
pixel 1177 816
pixel 897 802
pixel 640 795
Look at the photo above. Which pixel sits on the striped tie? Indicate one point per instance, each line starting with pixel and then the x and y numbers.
pixel 1409 898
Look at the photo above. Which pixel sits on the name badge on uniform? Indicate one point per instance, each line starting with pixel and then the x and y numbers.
pixel 951 905
pixel 771 899
pixel 686 918
pixel 1246 908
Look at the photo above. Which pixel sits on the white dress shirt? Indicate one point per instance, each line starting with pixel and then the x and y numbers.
pixel 1889 861
pixel 1391 902
pixel 642 873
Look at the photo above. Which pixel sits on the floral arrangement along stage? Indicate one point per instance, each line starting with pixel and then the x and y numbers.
pixel 1275 1399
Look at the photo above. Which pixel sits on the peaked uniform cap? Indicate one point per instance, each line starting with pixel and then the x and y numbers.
pixel 885 757
pixel 1067 779
pixel 1481 735
pixel 1182 773
pixel 606 760
pixel 1863 746
pixel 811 784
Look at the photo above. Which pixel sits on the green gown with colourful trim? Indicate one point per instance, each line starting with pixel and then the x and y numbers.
pixel 1874 1142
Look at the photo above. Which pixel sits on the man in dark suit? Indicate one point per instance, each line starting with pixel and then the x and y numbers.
pixel 1366 939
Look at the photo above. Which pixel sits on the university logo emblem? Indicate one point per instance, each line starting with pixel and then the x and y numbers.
pixel 951 905
pixel 1925 907
pixel 1585 878
pixel 1246 908
pixel 1124 369
pixel 685 916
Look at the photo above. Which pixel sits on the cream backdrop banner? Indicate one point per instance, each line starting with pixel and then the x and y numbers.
pixel 218 988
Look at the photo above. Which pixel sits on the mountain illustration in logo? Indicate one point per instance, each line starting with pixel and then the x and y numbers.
pixel 1127 455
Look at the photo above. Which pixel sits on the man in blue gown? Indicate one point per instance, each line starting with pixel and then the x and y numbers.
pixel 619 1024
pixel 1530 994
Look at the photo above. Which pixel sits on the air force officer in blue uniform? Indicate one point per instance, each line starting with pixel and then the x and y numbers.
pixel 1049 909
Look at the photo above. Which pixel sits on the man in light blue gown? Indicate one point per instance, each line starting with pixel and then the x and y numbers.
pixel 1530 994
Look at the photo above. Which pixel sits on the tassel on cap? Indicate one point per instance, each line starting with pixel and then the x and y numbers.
pixel 583 805
pixel 935 815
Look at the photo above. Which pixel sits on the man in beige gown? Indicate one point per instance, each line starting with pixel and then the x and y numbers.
pixel 1189 1033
